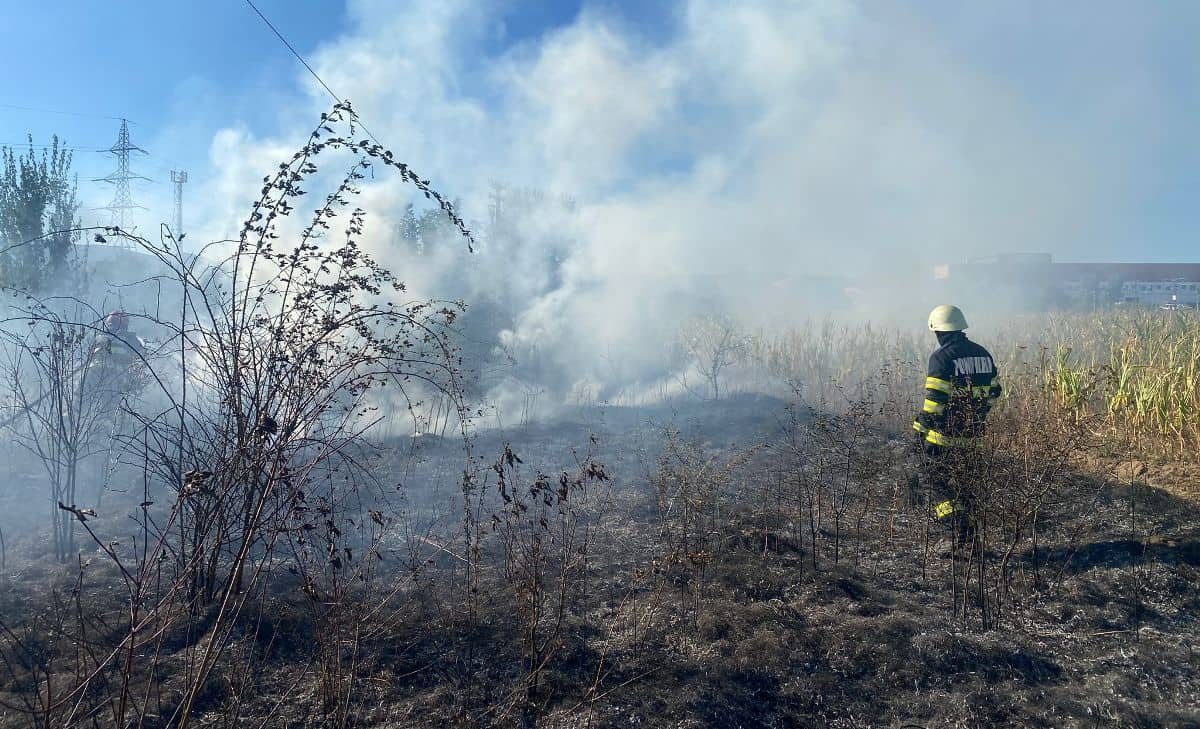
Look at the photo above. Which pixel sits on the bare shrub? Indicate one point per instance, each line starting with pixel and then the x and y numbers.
pixel 713 344
pixel 1028 465
pixel 280 350
pixel 693 488
pixel 544 532
pixel 66 400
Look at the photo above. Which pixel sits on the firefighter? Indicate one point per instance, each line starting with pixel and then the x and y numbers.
pixel 961 385
pixel 116 350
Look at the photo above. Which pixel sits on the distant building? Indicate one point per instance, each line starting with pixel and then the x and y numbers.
pixel 1035 281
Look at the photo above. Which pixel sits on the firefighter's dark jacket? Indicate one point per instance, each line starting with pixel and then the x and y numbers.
pixel 117 350
pixel 961 385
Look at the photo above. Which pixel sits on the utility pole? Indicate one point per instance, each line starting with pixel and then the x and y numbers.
pixel 122 203
pixel 177 179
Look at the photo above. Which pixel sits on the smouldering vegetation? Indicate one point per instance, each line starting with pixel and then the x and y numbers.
pixel 752 545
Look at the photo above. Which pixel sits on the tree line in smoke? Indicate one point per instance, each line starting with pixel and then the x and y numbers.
pixel 38 216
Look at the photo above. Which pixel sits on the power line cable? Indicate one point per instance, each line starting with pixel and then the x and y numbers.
pixel 356 120
pixel 321 81
pixel 27 145
pixel 294 51
pixel 64 113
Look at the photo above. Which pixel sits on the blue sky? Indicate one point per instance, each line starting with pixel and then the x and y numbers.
pixel 1109 91
pixel 139 60
pixel 142 60
pixel 145 60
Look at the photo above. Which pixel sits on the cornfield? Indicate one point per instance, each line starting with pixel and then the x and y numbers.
pixel 1138 370
pixel 1136 373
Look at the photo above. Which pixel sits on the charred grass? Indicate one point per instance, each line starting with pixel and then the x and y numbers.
pixel 711 590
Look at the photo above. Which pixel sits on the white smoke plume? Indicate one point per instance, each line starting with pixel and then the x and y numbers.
pixel 735 162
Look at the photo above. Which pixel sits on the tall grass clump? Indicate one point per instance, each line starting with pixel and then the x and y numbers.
pixel 822 361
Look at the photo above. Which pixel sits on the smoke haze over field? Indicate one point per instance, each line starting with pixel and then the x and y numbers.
pixel 735 156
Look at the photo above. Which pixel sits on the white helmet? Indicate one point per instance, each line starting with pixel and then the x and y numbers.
pixel 947 318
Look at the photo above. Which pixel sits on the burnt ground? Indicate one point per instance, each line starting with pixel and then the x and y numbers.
pixel 759 623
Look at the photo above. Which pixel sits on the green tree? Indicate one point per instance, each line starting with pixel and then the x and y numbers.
pixel 37 204
pixel 433 228
pixel 407 230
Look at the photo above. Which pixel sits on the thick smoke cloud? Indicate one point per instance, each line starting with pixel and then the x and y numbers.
pixel 754 158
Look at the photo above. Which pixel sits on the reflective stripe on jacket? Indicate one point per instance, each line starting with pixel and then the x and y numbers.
pixel 118 352
pixel 961 385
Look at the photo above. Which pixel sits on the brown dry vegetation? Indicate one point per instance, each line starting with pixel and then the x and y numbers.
pixel 787 582
pixel 718 559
